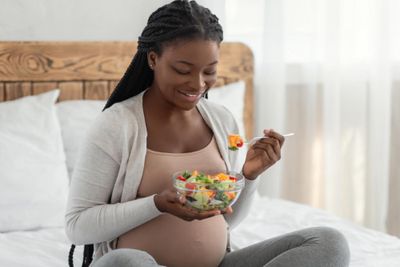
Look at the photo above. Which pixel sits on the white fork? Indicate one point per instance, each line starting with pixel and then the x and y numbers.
pixel 255 139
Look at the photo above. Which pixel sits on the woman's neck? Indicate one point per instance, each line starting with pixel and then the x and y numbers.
pixel 154 103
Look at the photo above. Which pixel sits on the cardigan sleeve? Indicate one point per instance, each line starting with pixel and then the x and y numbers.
pixel 242 205
pixel 225 124
pixel 89 217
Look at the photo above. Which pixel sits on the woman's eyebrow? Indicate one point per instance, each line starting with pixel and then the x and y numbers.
pixel 191 64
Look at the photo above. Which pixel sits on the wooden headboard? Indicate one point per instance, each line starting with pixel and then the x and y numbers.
pixel 91 70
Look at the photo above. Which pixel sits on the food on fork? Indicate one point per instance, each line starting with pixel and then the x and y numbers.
pixel 235 142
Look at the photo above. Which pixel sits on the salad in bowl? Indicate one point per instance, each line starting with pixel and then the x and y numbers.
pixel 205 192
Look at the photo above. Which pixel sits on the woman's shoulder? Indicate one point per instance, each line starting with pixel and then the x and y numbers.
pixel 128 107
pixel 127 110
pixel 121 117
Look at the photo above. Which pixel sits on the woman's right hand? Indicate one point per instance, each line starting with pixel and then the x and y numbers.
pixel 171 202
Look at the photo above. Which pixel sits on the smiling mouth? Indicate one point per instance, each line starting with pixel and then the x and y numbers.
pixel 191 97
pixel 191 94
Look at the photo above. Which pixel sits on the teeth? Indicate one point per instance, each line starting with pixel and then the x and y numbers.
pixel 190 94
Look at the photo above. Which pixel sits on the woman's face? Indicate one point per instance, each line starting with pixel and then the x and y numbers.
pixel 185 71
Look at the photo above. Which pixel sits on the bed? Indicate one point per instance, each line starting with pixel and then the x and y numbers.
pixel 54 90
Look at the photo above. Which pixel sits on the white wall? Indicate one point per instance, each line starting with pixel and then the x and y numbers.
pixel 81 19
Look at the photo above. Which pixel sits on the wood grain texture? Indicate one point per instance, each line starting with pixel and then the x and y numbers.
pixel 112 85
pixel 70 90
pixel 16 90
pixel 41 87
pixel 62 61
pixel 91 70
pixel 96 90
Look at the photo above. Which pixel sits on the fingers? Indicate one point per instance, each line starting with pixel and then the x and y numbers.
pixel 273 139
pixel 190 215
pixel 228 210
pixel 268 152
pixel 270 146
pixel 176 206
pixel 174 197
pixel 271 133
pixel 273 143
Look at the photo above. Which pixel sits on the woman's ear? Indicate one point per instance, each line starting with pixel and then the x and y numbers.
pixel 152 59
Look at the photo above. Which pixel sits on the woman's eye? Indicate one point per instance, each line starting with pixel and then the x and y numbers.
pixel 210 72
pixel 182 72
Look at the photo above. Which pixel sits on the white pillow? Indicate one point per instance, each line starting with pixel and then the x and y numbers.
pixel 75 117
pixel 34 182
pixel 232 97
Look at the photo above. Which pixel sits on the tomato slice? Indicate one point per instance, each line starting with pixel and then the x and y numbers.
pixel 240 143
pixel 190 186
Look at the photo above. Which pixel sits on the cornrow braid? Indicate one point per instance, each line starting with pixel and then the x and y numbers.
pixel 177 20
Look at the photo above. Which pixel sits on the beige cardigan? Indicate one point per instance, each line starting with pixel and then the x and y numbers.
pixel 102 202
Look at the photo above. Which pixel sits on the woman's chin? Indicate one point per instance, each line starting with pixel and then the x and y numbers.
pixel 188 106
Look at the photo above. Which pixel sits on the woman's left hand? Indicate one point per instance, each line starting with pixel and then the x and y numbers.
pixel 263 154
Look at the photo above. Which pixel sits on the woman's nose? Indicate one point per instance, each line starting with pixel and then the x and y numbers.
pixel 199 82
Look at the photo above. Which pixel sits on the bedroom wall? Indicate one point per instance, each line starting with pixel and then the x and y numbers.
pixel 81 20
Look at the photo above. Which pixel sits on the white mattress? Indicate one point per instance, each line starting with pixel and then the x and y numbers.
pixel 267 218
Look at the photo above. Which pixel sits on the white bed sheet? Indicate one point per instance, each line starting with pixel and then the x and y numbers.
pixel 267 218
pixel 271 217
pixel 42 248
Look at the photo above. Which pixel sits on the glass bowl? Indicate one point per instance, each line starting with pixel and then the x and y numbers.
pixel 205 192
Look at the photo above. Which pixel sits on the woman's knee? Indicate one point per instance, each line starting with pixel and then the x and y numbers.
pixel 334 244
pixel 125 257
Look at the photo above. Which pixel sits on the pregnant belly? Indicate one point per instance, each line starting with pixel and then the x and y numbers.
pixel 174 242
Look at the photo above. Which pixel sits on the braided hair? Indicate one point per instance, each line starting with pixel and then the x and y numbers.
pixel 178 20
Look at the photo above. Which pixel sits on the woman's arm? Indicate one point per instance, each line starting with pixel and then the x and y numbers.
pixel 242 206
pixel 259 157
pixel 90 218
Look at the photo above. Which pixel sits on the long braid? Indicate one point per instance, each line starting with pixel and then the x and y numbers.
pixel 176 20
pixel 71 256
pixel 87 255
pixel 137 78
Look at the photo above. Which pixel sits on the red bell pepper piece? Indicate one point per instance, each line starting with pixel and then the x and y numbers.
pixel 180 177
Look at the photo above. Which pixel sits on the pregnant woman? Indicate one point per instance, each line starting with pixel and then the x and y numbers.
pixel 157 122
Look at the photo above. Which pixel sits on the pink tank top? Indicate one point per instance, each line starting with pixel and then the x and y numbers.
pixel 172 241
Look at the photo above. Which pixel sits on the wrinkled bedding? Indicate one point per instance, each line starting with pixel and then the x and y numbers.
pixel 272 217
pixel 267 218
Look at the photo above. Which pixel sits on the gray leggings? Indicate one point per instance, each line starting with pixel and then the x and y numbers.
pixel 311 247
